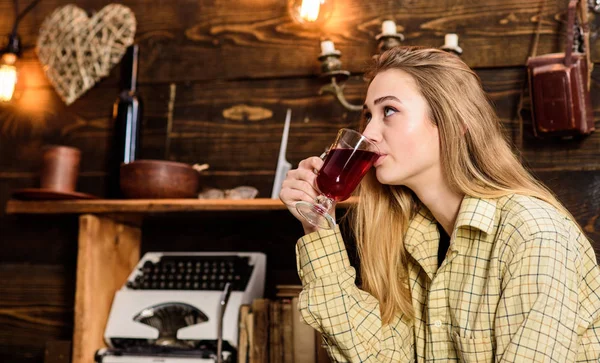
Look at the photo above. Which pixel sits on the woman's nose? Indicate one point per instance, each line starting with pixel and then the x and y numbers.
pixel 372 132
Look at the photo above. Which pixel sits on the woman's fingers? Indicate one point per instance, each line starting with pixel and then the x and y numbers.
pixel 303 186
pixel 305 175
pixel 294 195
pixel 313 163
pixel 300 185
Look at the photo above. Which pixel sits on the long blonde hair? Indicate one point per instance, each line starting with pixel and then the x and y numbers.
pixel 476 158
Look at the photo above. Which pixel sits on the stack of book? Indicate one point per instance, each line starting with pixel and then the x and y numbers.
pixel 271 331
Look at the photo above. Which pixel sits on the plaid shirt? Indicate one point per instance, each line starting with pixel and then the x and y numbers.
pixel 519 283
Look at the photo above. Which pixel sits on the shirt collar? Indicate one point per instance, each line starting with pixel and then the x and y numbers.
pixel 473 212
pixel 477 213
pixel 422 237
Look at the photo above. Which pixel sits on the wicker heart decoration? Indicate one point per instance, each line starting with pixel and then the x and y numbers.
pixel 77 51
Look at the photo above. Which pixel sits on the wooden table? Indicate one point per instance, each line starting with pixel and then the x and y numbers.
pixel 109 249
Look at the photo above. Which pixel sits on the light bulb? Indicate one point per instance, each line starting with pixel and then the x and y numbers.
pixel 310 12
pixel 8 76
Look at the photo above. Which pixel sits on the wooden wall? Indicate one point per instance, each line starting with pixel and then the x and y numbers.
pixel 201 60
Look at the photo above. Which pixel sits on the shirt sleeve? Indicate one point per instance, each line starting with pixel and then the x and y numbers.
pixel 537 317
pixel 347 317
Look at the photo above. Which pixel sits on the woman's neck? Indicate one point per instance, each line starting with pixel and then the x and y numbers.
pixel 434 191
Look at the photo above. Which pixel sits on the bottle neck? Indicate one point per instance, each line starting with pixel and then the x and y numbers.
pixel 129 69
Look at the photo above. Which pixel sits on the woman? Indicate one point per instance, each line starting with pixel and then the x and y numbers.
pixel 517 281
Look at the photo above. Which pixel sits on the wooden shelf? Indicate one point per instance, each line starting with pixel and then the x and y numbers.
pixel 146 206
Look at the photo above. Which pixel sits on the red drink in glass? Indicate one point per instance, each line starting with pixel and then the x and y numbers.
pixel 342 170
pixel 347 161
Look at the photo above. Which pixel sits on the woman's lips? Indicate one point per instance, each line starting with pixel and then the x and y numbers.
pixel 379 160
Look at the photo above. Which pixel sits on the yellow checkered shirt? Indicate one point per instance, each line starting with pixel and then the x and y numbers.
pixel 519 283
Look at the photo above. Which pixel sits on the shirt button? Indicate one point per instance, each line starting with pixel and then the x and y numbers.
pixel 438 324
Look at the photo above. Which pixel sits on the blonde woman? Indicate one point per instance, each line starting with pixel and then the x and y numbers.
pixel 464 255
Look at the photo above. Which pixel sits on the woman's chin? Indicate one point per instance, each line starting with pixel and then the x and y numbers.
pixel 386 178
pixel 382 177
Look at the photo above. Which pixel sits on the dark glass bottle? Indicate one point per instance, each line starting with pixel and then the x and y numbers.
pixel 127 118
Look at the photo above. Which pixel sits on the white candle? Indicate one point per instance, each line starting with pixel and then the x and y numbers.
pixel 388 27
pixel 327 47
pixel 451 40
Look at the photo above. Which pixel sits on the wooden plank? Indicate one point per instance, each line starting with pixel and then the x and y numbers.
pixel 205 128
pixel 58 351
pixel 87 124
pixel 108 252
pixel 580 193
pixel 39 239
pixel 201 40
pixel 201 132
pixel 93 183
pixel 106 206
pixel 504 90
pixel 40 118
pixel 36 305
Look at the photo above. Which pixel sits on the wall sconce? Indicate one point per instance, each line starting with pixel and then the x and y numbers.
pixel 451 44
pixel 331 67
pixel 8 69
pixel 389 36
pixel 310 12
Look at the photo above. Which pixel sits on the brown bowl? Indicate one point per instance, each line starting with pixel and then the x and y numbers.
pixel 159 179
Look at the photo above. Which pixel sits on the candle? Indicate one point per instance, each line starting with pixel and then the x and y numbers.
pixel 327 47
pixel 388 27
pixel 451 40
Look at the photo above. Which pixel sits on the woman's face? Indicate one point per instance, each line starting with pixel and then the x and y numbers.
pixel 398 122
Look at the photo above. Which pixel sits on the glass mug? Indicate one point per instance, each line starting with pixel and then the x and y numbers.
pixel 346 163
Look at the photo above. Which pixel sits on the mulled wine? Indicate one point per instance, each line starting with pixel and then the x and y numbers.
pixel 347 161
pixel 342 170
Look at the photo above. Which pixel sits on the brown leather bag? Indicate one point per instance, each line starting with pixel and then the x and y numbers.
pixel 559 88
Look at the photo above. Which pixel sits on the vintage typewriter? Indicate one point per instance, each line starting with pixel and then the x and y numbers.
pixel 182 307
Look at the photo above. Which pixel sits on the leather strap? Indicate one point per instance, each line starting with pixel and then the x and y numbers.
pixel 538 29
pixel 570 25
pixel 583 7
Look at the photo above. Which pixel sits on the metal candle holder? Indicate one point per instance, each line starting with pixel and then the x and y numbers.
pixel 331 65
pixel 331 68
pixel 388 41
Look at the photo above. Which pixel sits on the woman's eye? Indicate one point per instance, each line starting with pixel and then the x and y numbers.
pixel 388 111
pixel 367 117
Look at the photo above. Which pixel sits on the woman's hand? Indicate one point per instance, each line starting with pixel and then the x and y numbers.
pixel 300 185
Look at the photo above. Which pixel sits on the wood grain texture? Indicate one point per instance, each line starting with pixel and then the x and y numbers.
pixel 580 193
pixel 36 305
pixel 199 132
pixel 148 206
pixel 208 39
pixel 40 118
pixel 108 252
pixel 218 57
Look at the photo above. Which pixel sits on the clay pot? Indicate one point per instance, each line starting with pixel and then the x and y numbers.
pixel 60 169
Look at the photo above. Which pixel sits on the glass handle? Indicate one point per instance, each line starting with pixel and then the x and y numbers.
pixel 324 154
